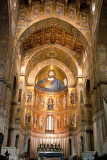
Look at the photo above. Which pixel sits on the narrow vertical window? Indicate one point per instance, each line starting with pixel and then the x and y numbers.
pixel 19 97
pixel 49 125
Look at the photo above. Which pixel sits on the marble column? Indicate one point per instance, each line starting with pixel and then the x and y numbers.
pixel 30 8
pixel 13 138
pixel 66 7
pixel 74 146
pixel 54 5
pixel 1 140
pixel 105 114
pixel 78 10
pixel 67 143
pixel 87 141
pixel 42 7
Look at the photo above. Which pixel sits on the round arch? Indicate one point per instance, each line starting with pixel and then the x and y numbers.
pixel 31 77
pixel 53 21
pixel 67 52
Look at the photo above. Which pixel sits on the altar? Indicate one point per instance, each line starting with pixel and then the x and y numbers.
pixel 55 156
pixel 50 152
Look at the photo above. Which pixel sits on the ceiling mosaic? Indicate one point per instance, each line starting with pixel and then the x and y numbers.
pixel 52 32
pixel 47 54
pixel 55 26
pixel 52 35
pixel 37 12
pixel 84 4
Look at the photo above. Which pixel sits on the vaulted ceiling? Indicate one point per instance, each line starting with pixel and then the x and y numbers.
pixel 84 4
pixel 54 39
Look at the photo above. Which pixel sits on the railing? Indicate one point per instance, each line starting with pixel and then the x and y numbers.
pixel 25 155
pixel 53 148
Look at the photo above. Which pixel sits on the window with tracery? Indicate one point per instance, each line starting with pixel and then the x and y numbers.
pixel 50 123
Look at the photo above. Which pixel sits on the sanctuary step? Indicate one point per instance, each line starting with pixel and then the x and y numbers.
pixel 13 152
pixel 53 158
pixel 88 155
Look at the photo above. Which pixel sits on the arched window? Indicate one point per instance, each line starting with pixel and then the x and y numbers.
pixel 14 87
pixel 88 92
pixel 88 87
pixel 49 123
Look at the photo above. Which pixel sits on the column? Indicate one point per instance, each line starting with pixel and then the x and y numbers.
pixel 66 7
pixel 54 5
pixel 78 10
pixel 105 114
pixel 67 147
pixel 63 144
pixel 1 140
pixel 42 7
pixel 35 145
pixel 64 147
pixel 6 72
pixel 31 147
pixel 95 137
pixel 74 146
pixel 86 144
pixel 13 138
pixel 30 8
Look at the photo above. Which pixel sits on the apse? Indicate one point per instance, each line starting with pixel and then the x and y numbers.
pixel 50 119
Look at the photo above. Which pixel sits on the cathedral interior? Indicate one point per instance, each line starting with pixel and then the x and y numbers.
pixel 53 79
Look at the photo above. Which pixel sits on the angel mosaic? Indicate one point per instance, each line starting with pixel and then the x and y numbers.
pixel 58 102
pixel 42 102
pixel 27 118
pixel 48 10
pixel 40 123
pixel 59 123
pixel 72 119
pixel 60 11
pixel 72 98
pixel 35 121
pixel 65 121
pixel 64 102
pixel 37 100
pixel 29 96
pixel 35 12
pixel 72 15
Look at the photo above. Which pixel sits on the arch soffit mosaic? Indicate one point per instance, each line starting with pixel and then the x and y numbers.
pixel 42 54
pixel 31 77
pixel 46 22
pixel 23 12
pixel 32 52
